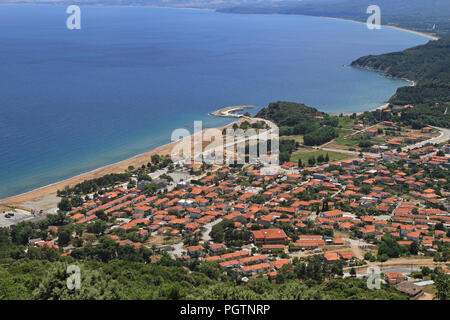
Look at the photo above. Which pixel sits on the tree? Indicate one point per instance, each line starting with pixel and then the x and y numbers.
pixel 150 188
pixel 76 201
pixel 96 227
pixel 10 289
pixel 101 214
pixel 284 157
pixel 300 164
pixel 65 205
pixel 365 188
pixel 93 285
pixel 155 158
pixel 439 226
pixel 414 248
pixel 365 144
pixel 64 237
pixel 388 248
pixel 443 287
pixel 353 272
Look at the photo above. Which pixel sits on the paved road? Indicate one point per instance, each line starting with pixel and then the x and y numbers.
pixel 444 136
pixel 19 216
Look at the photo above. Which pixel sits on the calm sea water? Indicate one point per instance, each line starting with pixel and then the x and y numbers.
pixel 75 100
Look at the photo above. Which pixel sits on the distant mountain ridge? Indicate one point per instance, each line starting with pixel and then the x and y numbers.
pixel 430 16
pixel 201 4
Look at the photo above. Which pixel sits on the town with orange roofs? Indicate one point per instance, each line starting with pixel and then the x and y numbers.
pixel 388 212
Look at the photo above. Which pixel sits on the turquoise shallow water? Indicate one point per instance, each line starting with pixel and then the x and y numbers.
pixel 75 100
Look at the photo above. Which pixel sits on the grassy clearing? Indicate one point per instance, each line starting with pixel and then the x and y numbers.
pixel 297 138
pixel 346 122
pixel 305 154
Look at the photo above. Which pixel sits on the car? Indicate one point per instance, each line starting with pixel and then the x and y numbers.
pixel 11 214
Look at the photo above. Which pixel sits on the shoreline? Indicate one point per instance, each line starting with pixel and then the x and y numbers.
pixel 229 112
pixel 16 201
pixel 423 34
pixel 59 3
pixel 34 195
pixel 382 107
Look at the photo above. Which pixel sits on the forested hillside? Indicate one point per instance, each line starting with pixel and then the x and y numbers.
pixel 297 118
pixel 110 271
pixel 428 65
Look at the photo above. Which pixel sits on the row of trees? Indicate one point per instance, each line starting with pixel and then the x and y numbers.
pixel 319 136
pixel 93 185
pixel 313 160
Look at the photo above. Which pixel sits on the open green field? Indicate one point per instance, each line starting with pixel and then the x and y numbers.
pixel 297 138
pixel 305 154
pixel 349 141
pixel 346 122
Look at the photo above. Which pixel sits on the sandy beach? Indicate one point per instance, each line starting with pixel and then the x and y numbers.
pixel 431 36
pixel 229 112
pixel 44 198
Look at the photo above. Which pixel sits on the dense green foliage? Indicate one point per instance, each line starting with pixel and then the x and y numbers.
pixel 93 185
pixel 428 65
pixel 289 113
pixel 226 231
pixel 319 136
pixel 418 117
pixel 111 271
pixel 120 279
pixel 297 118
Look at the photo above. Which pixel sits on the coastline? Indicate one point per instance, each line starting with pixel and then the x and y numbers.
pixel 118 167
pixel 229 112
pixel 382 107
pixel 424 34
pixel 143 158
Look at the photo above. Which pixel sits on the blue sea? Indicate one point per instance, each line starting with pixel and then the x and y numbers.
pixel 74 100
